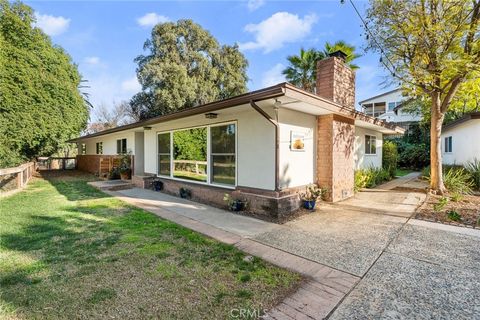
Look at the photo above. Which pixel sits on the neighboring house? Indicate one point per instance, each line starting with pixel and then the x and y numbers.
pixel 264 146
pixel 389 106
pixel 460 140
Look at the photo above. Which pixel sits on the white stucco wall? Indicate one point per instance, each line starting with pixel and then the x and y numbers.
pixel 297 168
pixel 465 143
pixel 362 160
pixel 110 143
pixel 255 144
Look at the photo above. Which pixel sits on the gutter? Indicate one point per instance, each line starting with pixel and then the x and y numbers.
pixel 277 139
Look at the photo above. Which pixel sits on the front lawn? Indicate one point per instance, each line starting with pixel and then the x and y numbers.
pixel 70 251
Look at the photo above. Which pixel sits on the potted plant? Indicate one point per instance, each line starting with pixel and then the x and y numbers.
pixel 185 193
pixel 114 174
pixel 126 167
pixel 235 204
pixel 310 196
pixel 157 185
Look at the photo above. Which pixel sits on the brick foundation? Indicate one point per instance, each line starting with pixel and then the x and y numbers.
pixel 335 161
pixel 270 205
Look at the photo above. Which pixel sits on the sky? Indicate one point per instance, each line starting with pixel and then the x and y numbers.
pixel 104 37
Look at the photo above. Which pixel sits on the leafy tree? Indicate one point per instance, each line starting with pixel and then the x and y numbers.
pixel 348 49
pixel 433 47
pixel 40 104
pixel 302 71
pixel 185 66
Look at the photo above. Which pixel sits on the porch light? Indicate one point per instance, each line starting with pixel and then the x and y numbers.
pixel 211 115
pixel 147 128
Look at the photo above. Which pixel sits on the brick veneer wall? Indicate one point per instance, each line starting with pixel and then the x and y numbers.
pixel 335 156
pixel 270 205
pixel 336 82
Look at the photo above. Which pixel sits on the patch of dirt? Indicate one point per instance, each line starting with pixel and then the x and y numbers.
pixel 468 208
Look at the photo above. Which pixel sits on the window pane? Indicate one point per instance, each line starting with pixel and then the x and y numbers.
pixel 223 169
pixel 449 144
pixel 164 143
pixel 367 144
pixel 124 145
pixel 391 106
pixel 119 146
pixel 373 144
pixel 223 139
pixel 190 154
pixel 164 164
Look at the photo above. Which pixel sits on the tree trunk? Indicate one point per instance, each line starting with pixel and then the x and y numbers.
pixel 436 176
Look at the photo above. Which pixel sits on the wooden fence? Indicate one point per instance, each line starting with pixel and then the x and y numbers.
pixel 16 178
pixel 56 163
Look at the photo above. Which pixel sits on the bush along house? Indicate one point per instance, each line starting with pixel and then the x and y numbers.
pixel 264 146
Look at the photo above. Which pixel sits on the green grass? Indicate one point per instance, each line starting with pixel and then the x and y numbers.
pixel 400 172
pixel 69 251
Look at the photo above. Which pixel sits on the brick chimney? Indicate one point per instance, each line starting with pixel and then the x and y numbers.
pixel 335 80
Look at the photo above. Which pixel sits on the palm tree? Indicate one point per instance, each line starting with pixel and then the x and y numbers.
pixel 302 71
pixel 349 50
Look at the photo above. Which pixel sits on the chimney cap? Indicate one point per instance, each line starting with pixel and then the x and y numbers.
pixel 339 54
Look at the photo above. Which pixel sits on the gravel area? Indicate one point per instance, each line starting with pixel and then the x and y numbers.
pixel 468 208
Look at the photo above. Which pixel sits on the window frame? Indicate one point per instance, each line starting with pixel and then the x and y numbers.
pixel 369 138
pixel 121 145
pixel 209 181
pixel 448 144
pixel 83 149
pixel 170 137
pixel 99 147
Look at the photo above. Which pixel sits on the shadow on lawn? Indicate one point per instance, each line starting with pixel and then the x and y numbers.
pixel 56 241
pixel 73 184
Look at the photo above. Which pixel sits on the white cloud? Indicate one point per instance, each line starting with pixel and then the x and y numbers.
pixel 51 25
pixel 255 4
pixel 273 76
pixel 92 60
pixel 151 19
pixel 131 85
pixel 281 28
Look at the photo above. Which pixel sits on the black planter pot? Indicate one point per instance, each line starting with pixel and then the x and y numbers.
pixel 157 185
pixel 185 193
pixel 238 205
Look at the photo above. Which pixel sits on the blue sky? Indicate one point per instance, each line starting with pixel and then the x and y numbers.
pixel 103 37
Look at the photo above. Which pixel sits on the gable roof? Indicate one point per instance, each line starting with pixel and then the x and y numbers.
pixel 465 118
pixel 378 96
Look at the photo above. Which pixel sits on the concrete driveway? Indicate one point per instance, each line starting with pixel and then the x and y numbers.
pixel 429 271
pixel 349 235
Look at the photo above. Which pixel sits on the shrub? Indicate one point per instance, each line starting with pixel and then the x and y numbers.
pixel 473 168
pixel 371 177
pixel 457 180
pixel 414 156
pixel 454 215
pixel 390 157
pixel 440 204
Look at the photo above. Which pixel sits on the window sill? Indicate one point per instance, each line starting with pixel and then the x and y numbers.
pixel 218 185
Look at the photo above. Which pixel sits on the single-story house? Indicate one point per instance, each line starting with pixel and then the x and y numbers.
pixel 264 146
pixel 459 144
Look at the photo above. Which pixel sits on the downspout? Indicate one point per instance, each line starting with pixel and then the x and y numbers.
pixel 277 138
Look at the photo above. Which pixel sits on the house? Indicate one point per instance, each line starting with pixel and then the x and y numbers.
pixel 459 144
pixel 264 146
pixel 389 106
